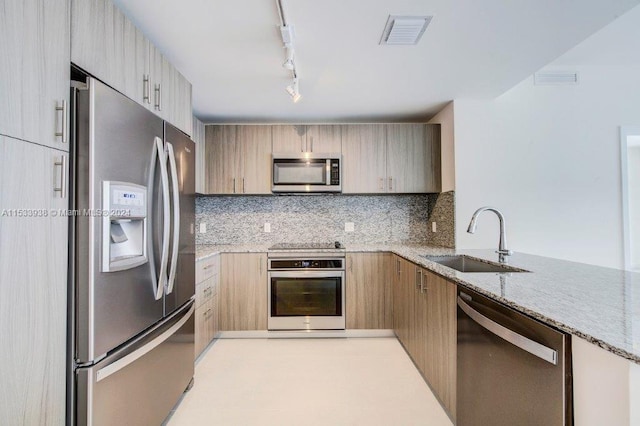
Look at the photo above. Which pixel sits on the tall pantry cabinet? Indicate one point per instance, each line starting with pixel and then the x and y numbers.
pixel 34 107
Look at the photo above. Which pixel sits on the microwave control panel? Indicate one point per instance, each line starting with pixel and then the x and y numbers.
pixel 335 172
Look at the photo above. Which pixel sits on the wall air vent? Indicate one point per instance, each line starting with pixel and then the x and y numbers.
pixel 555 78
pixel 404 29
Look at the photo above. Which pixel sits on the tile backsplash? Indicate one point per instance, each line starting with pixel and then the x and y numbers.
pixel 322 218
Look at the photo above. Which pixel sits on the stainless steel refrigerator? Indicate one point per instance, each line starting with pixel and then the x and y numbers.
pixel 132 267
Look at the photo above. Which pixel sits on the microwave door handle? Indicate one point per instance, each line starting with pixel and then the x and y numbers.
pixel 176 217
pixel 328 172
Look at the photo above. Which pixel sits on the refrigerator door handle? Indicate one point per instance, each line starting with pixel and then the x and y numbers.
pixel 524 343
pixel 159 154
pixel 176 217
pixel 118 365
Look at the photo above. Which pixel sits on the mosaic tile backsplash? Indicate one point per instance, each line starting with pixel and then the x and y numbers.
pixel 321 218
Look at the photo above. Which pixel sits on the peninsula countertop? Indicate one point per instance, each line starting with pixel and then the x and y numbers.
pixel 601 305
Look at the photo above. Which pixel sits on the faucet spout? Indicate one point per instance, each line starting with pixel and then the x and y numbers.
pixel 502 245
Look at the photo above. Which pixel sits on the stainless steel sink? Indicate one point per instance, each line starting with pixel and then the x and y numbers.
pixel 464 263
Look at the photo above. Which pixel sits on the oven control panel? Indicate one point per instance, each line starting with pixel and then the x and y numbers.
pixel 288 264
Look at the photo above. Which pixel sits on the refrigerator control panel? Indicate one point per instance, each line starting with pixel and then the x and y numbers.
pixel 124 226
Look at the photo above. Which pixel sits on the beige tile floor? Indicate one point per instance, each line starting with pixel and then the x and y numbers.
pixel 350 381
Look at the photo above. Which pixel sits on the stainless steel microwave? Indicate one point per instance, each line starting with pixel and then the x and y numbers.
pixel 307 172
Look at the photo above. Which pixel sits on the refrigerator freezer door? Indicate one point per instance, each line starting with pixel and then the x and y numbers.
pixel 140 383
pixel 115 140
pixel 181 275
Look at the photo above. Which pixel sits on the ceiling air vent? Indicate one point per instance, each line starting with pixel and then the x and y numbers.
pixel 404 29
pixel 555 78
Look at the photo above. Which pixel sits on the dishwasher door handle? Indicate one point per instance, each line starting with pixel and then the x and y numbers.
pixel 524 343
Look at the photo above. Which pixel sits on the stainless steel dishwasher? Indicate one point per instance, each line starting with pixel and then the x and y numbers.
pixel 512 370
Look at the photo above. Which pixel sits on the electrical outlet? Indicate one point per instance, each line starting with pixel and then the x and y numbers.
pixel 203 228
pixel 434 227
pixel 349 227
pixel 267 227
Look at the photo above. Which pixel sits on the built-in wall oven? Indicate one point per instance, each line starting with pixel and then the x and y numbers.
pixel 306 291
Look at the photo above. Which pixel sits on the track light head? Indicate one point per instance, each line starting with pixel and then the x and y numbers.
pixel 294 91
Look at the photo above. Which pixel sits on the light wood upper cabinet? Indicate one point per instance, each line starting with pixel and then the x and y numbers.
pixel 297 139
pixel 199 139
pixel 253 146
pixel 411 158
pixel 363 158
pixel 289 138
pixel 324 138
pixel 238 159
pixel 221 159
pixel 34 71
pixel 106 44
pixel 243 291
pixel 33 277
pixel 368 291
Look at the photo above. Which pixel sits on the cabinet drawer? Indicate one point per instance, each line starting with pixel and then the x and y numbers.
pixel 206 289
pixel 206 268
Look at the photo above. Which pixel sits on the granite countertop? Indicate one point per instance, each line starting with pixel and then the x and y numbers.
pixel 601 305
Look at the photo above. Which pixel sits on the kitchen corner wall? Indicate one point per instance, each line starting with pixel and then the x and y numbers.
pixel 386 219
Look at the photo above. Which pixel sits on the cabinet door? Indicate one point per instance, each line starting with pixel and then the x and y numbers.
pixel 33 277
pixel 253 146
pixel 403 301
pixel 413 158
pixel 221 159
pixel 184 110
pixel 289 139
pixel 198 138
pixel 364 158
pixel 324 138
pixel 441 338
pixel 242 296
pixel 368 291
pixel 34 70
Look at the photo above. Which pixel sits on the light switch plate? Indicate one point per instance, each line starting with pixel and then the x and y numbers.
pixel 267 227
pixel 434 227
pixel 349 227
pixel 203 228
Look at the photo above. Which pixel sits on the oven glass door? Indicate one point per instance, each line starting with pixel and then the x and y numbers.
pixel 299 172
pixel 306 296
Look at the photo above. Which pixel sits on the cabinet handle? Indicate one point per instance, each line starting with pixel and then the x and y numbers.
pixel 243 191
pixel 423 286
pixel 351 265
pixel 63 132
pixel 398 266
pixel 390 183
pixel 260 265
pixel 302 143
pixel 234 185
pixel 311 150
pixel 419 278
pixel 381 184
pixel 158 101
pixel 146 89
pixel 62 189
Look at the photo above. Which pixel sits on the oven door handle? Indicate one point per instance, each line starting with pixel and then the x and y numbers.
pixel 307 274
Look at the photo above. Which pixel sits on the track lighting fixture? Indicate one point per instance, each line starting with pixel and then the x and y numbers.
pixel 294 91
pixel 287 32
pixel 289 64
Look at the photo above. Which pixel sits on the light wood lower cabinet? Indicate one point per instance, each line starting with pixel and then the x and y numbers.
pixel 424 306
pixel 33 279
pixel 243 291
pixel 206 315
pixel 368 291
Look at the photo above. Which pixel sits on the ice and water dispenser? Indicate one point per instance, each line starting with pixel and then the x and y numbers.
pixel 124 226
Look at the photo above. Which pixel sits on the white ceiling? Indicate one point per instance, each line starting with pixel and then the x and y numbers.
pixel 232 53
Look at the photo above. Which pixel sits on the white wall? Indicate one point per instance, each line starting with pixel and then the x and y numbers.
pixel 446 120
pixel 549 156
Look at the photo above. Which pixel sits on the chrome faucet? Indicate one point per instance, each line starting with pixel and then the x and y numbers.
pixel 502 246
